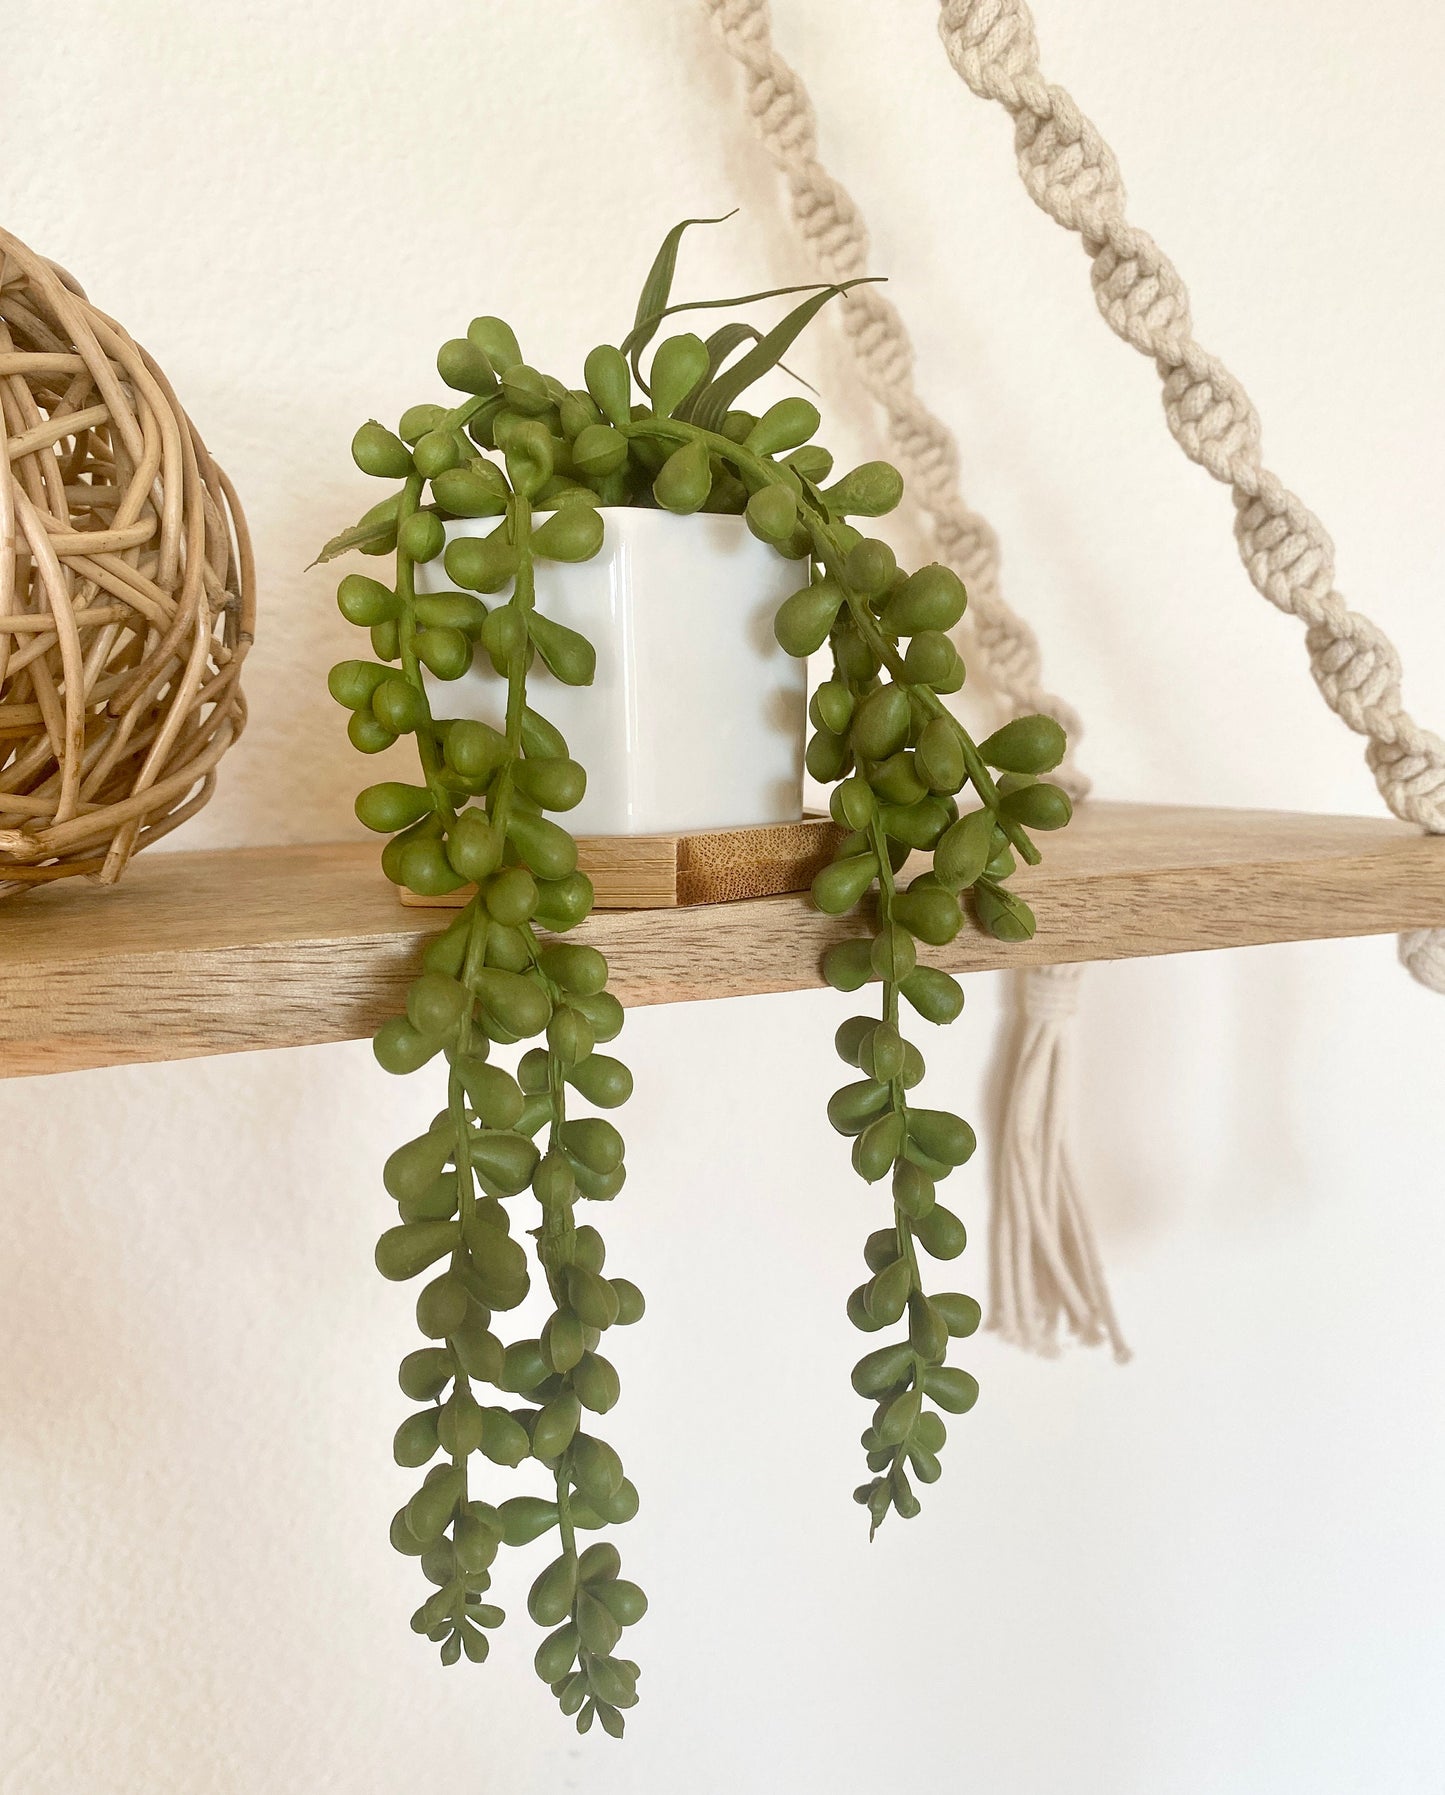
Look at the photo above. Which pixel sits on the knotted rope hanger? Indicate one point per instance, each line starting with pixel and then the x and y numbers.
pixel 1072 174
pixel 1044 1267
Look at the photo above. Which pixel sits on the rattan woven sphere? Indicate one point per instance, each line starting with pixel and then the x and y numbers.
pixel 127 590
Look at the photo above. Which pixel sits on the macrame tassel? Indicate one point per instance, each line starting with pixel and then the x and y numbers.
pixel 1422 951
pixel 1044 1265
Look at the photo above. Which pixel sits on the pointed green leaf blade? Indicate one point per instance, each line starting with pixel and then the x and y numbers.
pixel 658 285
pixel 379 521
pixel 712 405
pixel 636 338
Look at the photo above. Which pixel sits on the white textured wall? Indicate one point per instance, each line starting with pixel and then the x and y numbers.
pixel 1216 1571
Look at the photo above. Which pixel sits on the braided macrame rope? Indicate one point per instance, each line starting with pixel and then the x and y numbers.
pixel 1044 1266
pixel 1071 174
pixel 837 240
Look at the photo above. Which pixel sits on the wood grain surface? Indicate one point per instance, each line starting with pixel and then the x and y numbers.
pixel 201 953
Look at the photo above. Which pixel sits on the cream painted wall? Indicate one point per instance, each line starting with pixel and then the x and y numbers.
pixel 1217 1572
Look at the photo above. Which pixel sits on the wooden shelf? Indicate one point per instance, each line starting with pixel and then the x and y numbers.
pixel 202 953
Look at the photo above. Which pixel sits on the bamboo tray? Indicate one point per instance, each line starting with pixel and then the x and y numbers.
pixel 668 872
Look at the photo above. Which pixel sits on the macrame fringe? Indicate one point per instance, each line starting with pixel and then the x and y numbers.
pixel 1422 952
pixel 1044 1265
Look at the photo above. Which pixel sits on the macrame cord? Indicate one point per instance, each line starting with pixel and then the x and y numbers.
pixel 1044 1267
pixel 1071 174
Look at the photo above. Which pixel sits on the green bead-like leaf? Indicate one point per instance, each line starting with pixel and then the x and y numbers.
pixel 803 621
pixel 1006 917
pixel 842 883
pixel 1026 745
pixel 677 367
pixel 380 452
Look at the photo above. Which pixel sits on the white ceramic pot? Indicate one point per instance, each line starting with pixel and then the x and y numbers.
pixel 696 717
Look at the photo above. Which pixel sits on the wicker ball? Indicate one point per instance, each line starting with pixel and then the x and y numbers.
pixel 127 590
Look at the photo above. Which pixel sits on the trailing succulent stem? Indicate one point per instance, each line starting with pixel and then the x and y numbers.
pixel 540 462
pixel 497 976
pixel 897 759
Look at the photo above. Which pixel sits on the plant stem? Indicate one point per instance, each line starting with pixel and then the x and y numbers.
pixel 428 748
pixel 519 527
pixel 887 891
pixel 558 1222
